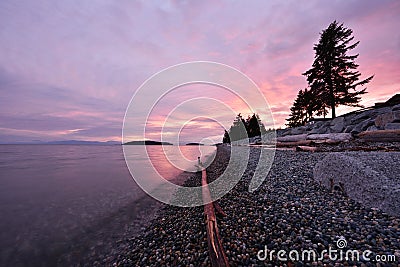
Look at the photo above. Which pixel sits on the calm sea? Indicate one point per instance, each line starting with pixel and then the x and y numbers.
pixel 61 203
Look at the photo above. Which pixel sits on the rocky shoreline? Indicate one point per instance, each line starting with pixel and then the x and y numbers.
pixel 289 211
pixel 376 128
pixel 381 117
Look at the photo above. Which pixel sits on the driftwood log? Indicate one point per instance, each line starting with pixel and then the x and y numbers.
pixel 215 248
pixel 306 148
pixel 380 136
pixel 293 144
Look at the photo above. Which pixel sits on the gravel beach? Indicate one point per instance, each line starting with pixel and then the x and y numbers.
pixel 290 211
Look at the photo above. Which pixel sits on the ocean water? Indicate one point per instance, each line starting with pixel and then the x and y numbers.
pixel 60 203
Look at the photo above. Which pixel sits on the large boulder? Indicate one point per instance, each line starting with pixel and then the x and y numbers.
pixel 309 126
pixel 281 132
pixel 369 114
pixel 372 128
pixel 287 131
pixel 362 126
pixel 337 125
pixel 318 124
pixel 396 116
pixel 349 128
pixel 361 117
pixel 321 127
pixel 320 130
pixel 298 130
pixel 348 118
pixel 396 107
pixel 370 178
pixel 382 120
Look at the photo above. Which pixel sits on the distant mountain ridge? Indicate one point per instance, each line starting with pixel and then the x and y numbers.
pixel 77 142
pixel 64 142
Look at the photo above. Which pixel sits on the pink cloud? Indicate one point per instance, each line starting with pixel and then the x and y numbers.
pixel 81 62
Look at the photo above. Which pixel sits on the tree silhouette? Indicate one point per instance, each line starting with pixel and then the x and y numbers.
pixel 305 106
pixel 260 125
pixel 253 129
pixel 226 139
pixel 298 111
pixel 333 78
pixel 238 129
pixel 254 126
pixel 242 128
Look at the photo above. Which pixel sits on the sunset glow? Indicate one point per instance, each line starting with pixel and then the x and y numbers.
pixel 69 69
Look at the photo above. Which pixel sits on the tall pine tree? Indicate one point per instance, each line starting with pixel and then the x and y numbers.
pixel 334 78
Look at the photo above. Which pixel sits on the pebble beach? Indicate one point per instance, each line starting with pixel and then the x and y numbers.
pixel 290 211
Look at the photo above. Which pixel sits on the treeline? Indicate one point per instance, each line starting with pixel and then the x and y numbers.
pixel 332 80
pixel 244 128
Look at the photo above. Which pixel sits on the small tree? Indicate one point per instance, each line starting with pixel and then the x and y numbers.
pixel 253 126
pixel 261 125
pixel 334 78
pixel 304 107
pixel 297 112
pixel 226 139
pixel 238 129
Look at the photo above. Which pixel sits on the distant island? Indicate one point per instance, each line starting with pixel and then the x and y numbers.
pixel 148 143
pixel 194 144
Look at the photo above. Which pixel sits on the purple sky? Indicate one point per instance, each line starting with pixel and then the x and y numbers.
pixel 68 69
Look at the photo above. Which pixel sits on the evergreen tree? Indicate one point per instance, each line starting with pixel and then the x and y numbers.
pixel 242 128
pixel 238 130
pixel 297 111
pixel 305 106
pixel 226 139
pixel 254 126
pixel 261 125
pixel 333 78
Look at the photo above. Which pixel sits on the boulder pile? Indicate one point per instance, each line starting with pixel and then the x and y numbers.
pixel 378 123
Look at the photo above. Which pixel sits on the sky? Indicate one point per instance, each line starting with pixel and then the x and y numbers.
pixel 68 69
